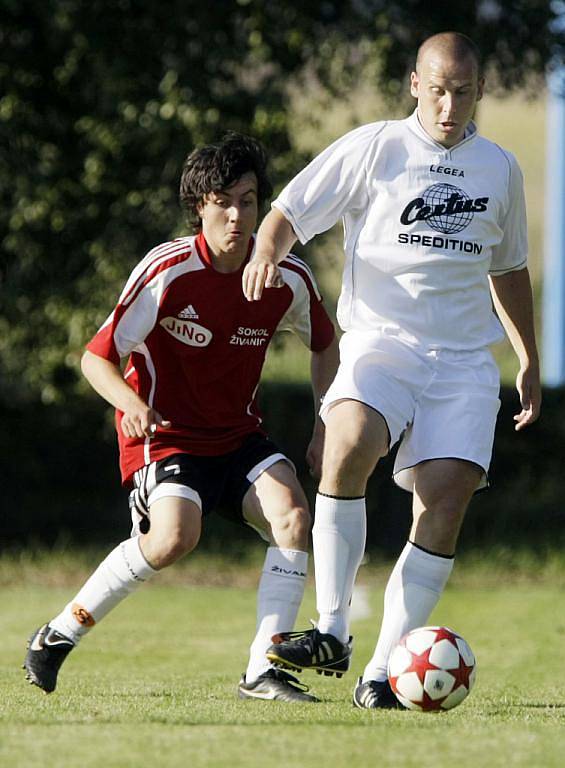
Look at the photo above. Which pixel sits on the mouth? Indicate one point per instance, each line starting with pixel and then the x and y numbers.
pixel 448 125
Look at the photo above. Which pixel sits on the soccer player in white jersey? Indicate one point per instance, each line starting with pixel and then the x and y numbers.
pixel 188 425
pixel 435 232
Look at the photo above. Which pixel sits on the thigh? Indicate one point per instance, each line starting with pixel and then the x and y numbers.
pixel 382 373
pixel 354 425
pixel 455 417
pixel 196 479
pixel 247 465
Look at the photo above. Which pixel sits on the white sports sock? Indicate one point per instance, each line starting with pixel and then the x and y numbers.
pixel 278 599
pixel 121 573
pixel 339 534
pixel 413 590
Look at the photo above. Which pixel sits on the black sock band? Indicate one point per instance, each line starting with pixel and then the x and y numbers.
pixel 340 498
pixel 429 551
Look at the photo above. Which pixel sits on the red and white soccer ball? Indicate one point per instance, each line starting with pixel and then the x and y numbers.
pixel 431 669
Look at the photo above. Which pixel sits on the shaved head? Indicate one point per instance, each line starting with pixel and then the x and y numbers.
pixel 449 45
pixel 448 83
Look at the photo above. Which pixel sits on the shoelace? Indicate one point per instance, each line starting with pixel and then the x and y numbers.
pixel 304 637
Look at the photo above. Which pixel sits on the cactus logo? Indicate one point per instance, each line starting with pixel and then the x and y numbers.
pixel 445 208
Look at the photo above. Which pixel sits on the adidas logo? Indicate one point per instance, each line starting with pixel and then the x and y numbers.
pixel 188 313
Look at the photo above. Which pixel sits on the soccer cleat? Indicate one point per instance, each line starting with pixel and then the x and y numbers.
pixel 375 694
pixel 47 650
pixel 310 650
pixel 275 685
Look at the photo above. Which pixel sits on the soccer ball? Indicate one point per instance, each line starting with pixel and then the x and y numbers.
pixel 431 669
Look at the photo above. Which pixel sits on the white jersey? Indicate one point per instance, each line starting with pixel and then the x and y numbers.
pixel 424 226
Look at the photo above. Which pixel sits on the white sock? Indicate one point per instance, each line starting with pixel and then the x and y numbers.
pixel 413 590
pixel 339 534
pixel 121 573
pixel 278 599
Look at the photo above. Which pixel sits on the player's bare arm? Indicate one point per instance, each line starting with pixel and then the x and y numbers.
pixel 105 377
pixel 512 296
pixel 275 238
pixel 323 367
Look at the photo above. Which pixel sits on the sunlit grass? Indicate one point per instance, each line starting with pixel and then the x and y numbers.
pixel 155 684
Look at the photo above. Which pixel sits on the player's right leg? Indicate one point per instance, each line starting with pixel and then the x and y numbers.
pixel 356 437
pixel 175 530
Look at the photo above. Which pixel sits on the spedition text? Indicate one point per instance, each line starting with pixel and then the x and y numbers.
pixel 437 241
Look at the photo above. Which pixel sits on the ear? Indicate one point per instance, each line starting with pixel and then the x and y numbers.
pixel 200 208
pixel 480 88
pixel 414 84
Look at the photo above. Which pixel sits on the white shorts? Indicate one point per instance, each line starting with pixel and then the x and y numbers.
pixel 440 403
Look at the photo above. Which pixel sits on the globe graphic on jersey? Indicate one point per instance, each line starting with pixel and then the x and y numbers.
pixel 447 223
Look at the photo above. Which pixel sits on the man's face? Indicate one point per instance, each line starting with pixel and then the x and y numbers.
pixel 447 91
pixel 229 218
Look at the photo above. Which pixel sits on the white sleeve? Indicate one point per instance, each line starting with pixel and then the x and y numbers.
pixel 333 183
pixel 136 312
pixel 512 251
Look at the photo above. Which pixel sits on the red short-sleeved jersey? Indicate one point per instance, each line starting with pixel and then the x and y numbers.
pixel 196 346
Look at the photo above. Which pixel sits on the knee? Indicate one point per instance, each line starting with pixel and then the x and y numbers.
pixel 166 548
pixel 290 528
pixel 349 460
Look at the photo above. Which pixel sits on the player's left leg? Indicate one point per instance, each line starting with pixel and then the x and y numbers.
pixel 442 491
pixel 175 530
pixel 276 506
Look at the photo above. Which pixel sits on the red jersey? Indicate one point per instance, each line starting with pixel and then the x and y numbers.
pixel 196 346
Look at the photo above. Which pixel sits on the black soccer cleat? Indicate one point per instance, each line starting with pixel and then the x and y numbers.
pixel 47 650
pixel 275 685
pixel 375 694
pixel 310 650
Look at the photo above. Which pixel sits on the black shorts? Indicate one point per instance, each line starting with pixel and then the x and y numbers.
pixel 214 483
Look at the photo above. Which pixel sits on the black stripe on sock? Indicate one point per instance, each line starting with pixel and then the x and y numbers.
pixel 340 498
pixel 429 551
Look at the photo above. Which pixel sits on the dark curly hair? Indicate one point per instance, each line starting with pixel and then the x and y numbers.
pixel 216 167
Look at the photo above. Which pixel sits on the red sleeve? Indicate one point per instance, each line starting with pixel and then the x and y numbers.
pixel 102 343
pixel 307 314
pixel 323 330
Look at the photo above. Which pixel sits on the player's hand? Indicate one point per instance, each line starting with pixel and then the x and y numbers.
pixel 142 421
pixel 259 275
pixel 529 389
pixel 314 453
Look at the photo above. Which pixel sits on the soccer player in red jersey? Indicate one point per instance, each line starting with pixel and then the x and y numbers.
pixel 188 424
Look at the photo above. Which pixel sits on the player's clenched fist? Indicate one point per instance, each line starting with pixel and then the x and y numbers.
pixel 258 275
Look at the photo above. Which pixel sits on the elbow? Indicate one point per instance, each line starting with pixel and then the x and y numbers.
pixel 87 363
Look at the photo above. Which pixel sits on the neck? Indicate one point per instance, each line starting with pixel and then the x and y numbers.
pixel 226 262
pixel 222 261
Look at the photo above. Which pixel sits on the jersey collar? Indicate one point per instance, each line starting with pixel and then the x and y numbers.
pixel 416 126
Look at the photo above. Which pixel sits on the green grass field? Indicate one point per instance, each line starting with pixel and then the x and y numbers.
pixel 154 684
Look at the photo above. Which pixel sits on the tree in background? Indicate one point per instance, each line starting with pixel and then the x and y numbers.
pixel 100 102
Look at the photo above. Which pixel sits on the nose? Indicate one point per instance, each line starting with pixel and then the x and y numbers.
pixel 447 104
pixel 234 213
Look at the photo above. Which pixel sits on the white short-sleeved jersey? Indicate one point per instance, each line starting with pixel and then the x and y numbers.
pixel 196 347
pixel 424 226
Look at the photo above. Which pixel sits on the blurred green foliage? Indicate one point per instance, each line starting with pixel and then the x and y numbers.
pixel 100 102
